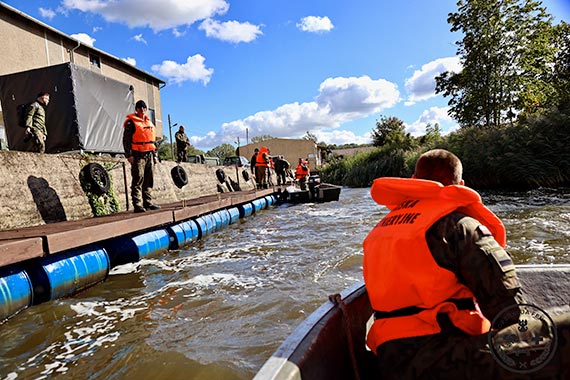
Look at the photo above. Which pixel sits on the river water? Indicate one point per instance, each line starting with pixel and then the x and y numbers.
pixel 220 307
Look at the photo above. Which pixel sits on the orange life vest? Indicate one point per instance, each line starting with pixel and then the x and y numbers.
pixel 301 172
pixel 261 159
pixel 144 136
pixel 399 269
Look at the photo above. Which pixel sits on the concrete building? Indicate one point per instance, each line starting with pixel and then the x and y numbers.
pixel 291 149
pixel 28 44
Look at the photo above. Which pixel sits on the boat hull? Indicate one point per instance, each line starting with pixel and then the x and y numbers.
pixel 323 345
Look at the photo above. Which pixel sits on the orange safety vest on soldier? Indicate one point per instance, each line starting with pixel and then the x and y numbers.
pixel 144 136
pixel 302 170
pixel 407 288
pixel 261 158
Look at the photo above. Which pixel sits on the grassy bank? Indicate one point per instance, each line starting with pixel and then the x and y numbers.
pixel 534 153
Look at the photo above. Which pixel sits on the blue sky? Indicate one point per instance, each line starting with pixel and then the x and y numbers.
pixel 278 67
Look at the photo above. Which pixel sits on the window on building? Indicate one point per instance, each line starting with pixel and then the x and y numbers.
pixel 151 115
pixel 95 60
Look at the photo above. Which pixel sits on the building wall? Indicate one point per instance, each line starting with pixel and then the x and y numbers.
pixel 291 149
pixel 26 45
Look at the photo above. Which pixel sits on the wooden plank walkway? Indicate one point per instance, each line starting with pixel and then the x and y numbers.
pixel 38 241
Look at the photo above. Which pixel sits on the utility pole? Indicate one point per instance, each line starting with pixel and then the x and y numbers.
pixel 238 162
pixel 171 142
pixel 247 135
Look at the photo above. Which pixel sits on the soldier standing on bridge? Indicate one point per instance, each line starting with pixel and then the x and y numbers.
pixel 139 142
pixel 182 144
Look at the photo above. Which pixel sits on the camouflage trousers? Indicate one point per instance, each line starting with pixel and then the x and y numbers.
pixel 452 354
pixel 181 155
pixel 39 141
pixel 142 178
pixel 261 174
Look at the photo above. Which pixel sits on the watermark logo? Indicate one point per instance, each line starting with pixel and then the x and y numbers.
pixel 523 338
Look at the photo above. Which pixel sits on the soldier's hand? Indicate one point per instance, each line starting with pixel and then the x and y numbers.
pixel 131 160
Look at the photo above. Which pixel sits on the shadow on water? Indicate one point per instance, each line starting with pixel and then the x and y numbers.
pixel 46 199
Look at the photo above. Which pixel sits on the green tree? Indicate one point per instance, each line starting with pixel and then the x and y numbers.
pixel 391 131
pixel 561 74
pixel 222 151
pixel 163 147
pixel 505 52
pixel 311 137
pixel 259 139
pixel 432 136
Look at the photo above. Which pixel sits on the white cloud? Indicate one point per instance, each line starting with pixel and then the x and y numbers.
pixel 432 116
pixel 139 38
pixel 130 61
pixel 84 38
pixel 340 137
pixel 340 100
pixel 421 85
pixel 231 31
pixel 176 33
pixel 97 29
pixel 315 24
pixel 47 13
pixel 354 98
pixel 158 15
pixel 193 70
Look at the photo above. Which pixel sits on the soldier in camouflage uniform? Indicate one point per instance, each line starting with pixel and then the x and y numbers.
pixel 36 122
pixel 182 144
pixel 463 246
pixel 139 142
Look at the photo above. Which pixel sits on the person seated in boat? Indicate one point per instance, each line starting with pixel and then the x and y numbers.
pixel 437 272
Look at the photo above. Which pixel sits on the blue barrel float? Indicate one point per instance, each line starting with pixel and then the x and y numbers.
pixel 224 216
pixel 191 231
pixel 15 291
pixel 245 210
pixel 130 249
pixel 234 214
pixel 210 223
pixel 270 199
pixel 218 223
pixel 152 242
pixel 67 273
pixel 177 235
pixel 207 225
pixel 258 204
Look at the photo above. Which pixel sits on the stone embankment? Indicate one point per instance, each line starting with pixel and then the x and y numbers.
pixel 37 189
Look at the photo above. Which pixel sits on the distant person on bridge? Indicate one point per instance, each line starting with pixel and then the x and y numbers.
pixel 182 144
pixel 302 173
pixel 253 161
pixel 281 168
pixel 262 167
pixel 139 142
pixel 436 272
pixel 35 117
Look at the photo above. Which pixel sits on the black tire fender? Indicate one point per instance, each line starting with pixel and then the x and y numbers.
pixel 97 177
pixel 221 174
pixel 179 176
pixel 245 175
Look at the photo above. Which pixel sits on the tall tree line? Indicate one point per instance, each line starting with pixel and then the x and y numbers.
pixel 512 58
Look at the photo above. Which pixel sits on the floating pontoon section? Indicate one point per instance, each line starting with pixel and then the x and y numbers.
pixel 66 273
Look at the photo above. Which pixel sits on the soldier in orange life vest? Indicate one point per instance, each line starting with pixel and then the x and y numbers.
pixel 302 172
pixel 262 167
pixel 140 149
pixel 436 272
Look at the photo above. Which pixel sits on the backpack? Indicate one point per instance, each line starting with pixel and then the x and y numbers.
pixel 22 111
